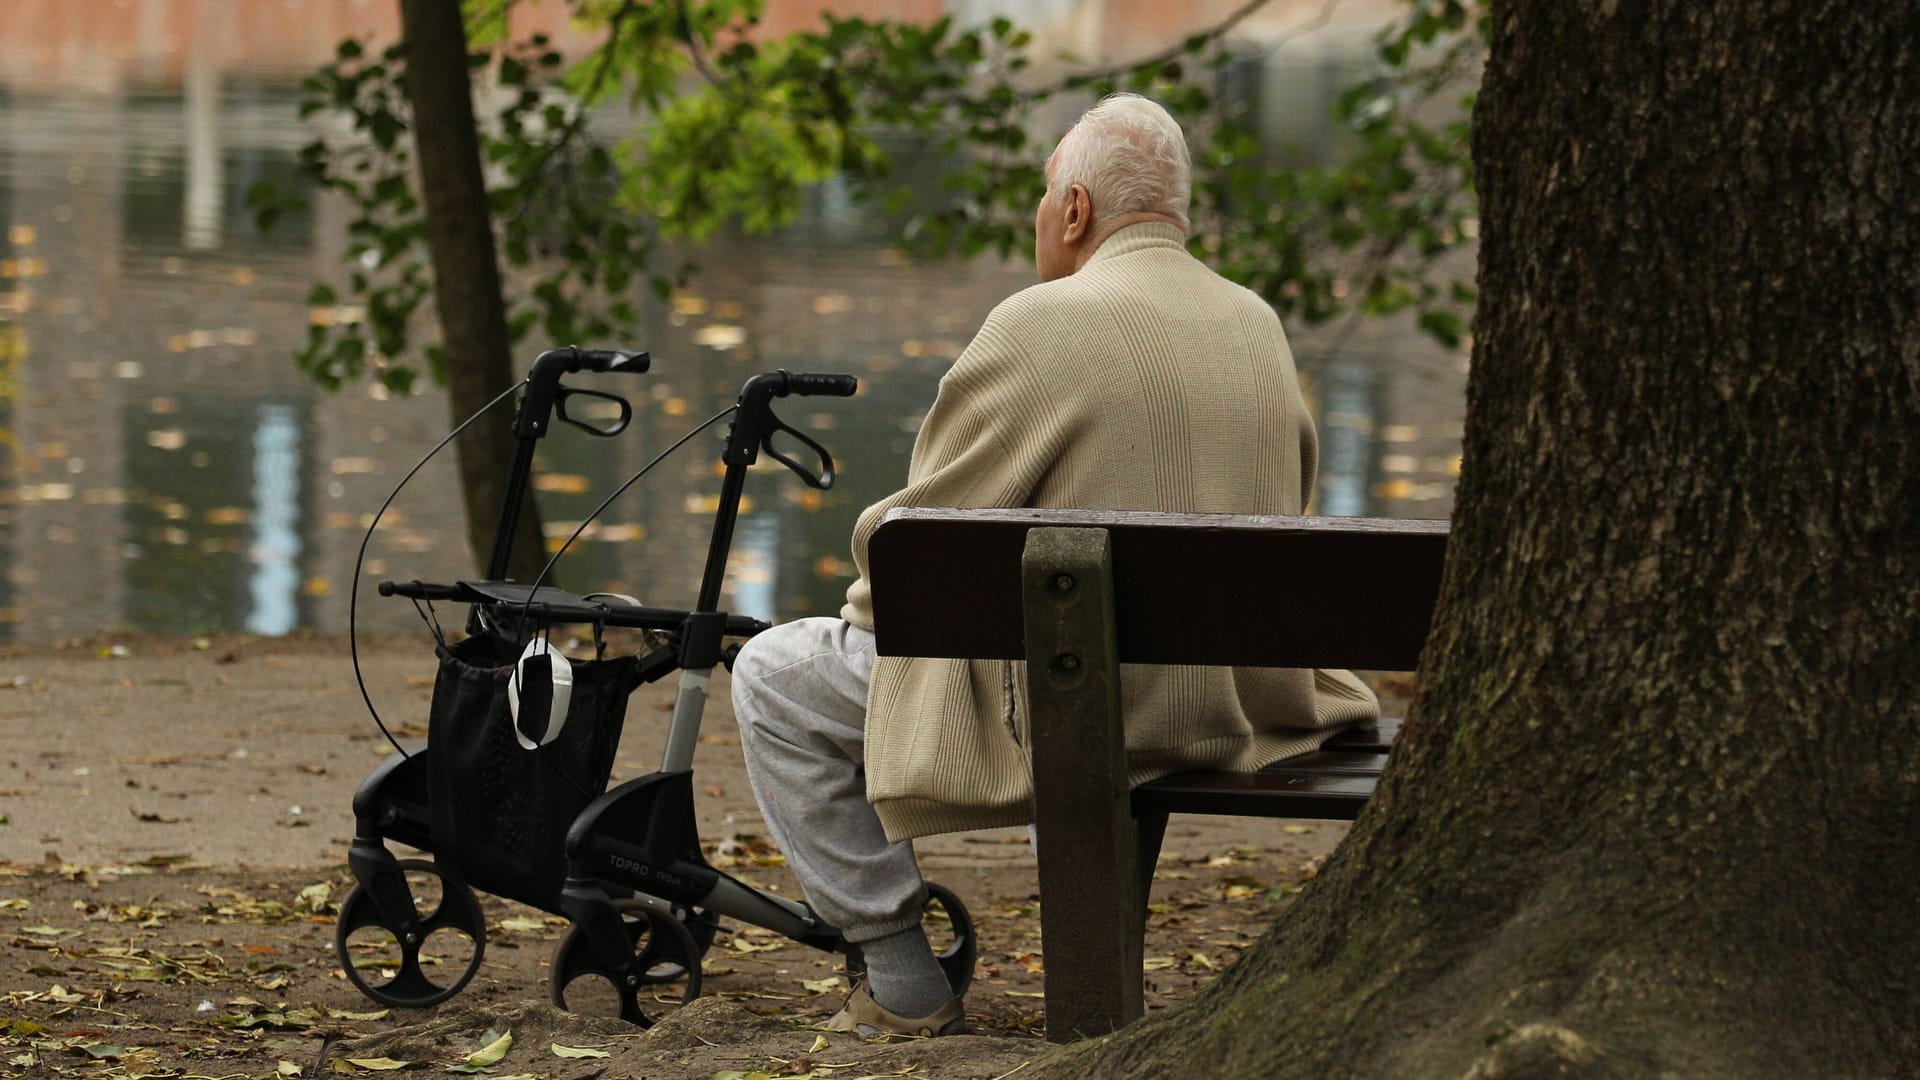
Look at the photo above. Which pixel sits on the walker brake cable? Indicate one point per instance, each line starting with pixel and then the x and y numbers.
pixel 353 592
pixel 526 605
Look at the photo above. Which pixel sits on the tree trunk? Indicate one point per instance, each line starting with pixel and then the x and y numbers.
pixel 1655 812
pixel 466 274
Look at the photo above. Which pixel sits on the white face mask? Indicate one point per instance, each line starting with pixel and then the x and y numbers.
pixel 547 680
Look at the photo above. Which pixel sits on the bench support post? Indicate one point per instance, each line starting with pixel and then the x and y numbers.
pixel 1089 846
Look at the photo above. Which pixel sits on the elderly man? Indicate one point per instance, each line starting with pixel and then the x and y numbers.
pixel 1131 378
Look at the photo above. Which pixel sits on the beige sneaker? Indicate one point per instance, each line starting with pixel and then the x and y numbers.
pixel 869 1018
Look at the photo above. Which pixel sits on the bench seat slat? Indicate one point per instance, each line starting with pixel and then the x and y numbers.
pixel 1374 740
pixel 1261 794
pixel 1331 763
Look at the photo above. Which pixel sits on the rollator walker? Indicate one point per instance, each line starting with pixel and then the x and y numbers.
pixel 508 792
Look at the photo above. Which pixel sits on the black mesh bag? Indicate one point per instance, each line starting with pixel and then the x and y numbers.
pixel 500 811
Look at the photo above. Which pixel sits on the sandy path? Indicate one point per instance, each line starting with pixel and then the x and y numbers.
pixel 247 752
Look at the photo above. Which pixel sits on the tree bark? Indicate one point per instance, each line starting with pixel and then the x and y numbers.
pixel 466 273
pixel 1655 810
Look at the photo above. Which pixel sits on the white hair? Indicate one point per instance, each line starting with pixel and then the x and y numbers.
pixel 1130 156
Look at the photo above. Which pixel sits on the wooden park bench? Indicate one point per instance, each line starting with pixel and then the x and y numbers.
pixel 1076 594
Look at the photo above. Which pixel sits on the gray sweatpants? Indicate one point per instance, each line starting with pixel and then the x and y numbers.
pixel 800 694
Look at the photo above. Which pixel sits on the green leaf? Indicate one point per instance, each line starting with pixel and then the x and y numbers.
pixel 576 1051
pixel 1443 326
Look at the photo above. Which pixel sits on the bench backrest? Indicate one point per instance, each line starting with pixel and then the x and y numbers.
pixel 1188 588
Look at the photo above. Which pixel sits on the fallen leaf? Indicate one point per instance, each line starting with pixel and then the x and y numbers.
pixel 521 923
pixel 821 986
pixel 492 1052
pixel 287 1068
pixel 1157 963
pixel 382 1064
pixel 576 1051
pixel 819 1043
pixel 743 945
pixel 342 1014
pixel 1297 830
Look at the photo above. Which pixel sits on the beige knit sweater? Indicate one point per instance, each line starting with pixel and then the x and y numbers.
pixel 1142 382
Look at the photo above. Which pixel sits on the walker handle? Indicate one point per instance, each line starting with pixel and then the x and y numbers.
pixel 807 385
pixel 613 361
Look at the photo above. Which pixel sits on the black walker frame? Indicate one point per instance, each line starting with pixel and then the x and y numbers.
pixel 642 899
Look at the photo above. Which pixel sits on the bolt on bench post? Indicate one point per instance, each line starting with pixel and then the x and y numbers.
pixel 1087 834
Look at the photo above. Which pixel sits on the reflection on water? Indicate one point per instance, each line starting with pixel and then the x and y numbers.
pixel 1346 440
pixel 167 468
pixel 275 551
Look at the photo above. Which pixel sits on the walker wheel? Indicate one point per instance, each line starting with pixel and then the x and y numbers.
pixel 949 930
pixel 663 952
pixel 441 926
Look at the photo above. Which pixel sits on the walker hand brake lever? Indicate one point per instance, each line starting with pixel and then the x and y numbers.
pixel 824 480
pixel 619 423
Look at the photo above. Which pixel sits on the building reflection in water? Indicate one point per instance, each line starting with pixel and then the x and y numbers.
pixel 274 584
pixel 167 467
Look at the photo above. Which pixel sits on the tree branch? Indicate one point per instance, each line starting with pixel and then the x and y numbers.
pixel 1187 45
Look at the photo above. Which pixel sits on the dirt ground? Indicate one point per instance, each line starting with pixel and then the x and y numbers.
pixel 174 821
